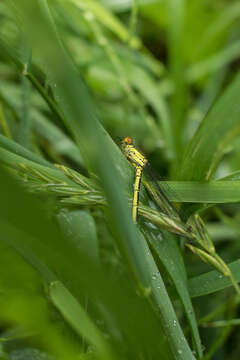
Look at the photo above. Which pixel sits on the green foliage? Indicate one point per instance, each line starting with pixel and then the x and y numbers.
pixel 78 279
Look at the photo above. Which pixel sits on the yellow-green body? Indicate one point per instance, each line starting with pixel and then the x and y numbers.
pixel 139 161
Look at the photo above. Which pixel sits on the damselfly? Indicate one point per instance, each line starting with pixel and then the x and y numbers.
pixel 140 162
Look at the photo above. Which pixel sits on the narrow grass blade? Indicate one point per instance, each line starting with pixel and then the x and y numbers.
pixel 166 248
pixel 3 123
pixel 213 63
pixel 219 191
pixel 146 85
pixel 217 130
pixel 19 150
pixel 15 161
pixel 77 317
pixel 106 18
pixel 213 281
pixel 176 15
pixel 59 142
pixel 25 125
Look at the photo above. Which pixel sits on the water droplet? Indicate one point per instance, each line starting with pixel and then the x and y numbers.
pixel 174 323
pixel 155 275
pixel 159 237
pixel 179 351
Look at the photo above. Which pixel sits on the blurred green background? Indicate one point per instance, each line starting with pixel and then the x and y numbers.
pixel 78 280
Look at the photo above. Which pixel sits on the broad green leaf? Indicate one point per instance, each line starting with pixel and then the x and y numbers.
pixel 79 227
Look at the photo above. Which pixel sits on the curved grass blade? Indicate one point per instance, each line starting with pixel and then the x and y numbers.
pixel 217 130
pixel 77 317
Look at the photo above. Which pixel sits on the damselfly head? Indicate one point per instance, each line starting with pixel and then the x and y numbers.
pixel 128 140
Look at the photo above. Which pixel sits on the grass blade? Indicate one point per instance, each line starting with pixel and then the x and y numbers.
pixel 213 281
pixel 166 248
pixel 77 317
pixel 218 129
